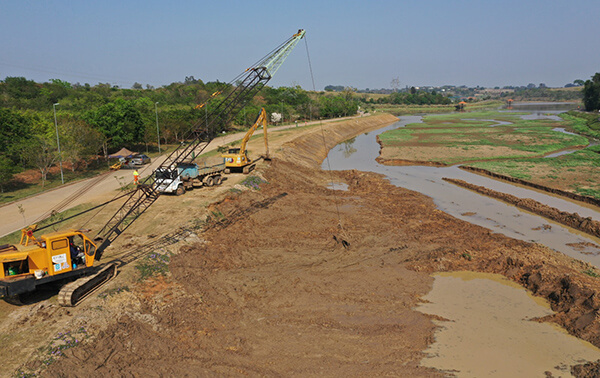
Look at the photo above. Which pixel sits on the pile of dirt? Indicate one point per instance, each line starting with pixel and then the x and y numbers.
pixel 272 290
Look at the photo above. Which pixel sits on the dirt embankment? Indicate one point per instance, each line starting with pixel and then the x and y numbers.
pixel 269 291
pixel 574 220
pixel 310 149
pixel 564 193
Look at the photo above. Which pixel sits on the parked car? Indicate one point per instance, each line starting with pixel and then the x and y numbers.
pixel 140 159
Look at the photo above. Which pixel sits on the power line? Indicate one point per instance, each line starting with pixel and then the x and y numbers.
pixel 71 74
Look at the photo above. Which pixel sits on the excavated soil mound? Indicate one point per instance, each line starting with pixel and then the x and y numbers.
pixel 298 279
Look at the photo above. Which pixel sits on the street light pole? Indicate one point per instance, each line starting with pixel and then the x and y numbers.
pixel 62 179
pixel 157 130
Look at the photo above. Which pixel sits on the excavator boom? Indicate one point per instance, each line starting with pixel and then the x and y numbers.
pixel 237 158
pixel 260 121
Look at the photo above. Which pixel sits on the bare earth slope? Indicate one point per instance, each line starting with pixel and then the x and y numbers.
pixel 269 289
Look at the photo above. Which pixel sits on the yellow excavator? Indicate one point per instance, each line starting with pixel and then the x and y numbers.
pixel 236 159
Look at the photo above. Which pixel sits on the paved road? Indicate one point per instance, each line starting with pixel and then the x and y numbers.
pixel 97 191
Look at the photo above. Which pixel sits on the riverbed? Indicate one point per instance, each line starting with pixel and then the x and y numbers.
pixel 360 153
pixel 486 325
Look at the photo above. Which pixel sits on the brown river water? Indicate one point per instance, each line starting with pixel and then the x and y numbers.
pixel 489 331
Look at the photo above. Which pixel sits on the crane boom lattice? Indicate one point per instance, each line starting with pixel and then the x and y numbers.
pixel 242 89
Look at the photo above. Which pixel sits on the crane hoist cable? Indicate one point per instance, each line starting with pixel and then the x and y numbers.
pixel 82 212
pixel 68 200
pixel 344 239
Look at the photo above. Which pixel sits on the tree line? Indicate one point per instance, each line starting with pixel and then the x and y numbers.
pixel 97 120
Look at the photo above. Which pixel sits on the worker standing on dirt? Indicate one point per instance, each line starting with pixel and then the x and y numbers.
pixel 136 177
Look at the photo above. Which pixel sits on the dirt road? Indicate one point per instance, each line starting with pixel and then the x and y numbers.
pixel 296 279
pixel 97 189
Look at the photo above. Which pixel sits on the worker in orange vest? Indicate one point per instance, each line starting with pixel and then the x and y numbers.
pixel 136 177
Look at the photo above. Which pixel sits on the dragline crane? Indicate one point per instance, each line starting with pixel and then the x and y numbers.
pixel 51 258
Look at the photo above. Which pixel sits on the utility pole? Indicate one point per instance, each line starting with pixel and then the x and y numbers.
pixel 62 179
pixel 157 129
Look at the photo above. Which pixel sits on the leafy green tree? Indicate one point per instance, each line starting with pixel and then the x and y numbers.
pixel 591 93
pixel 15 130
pixel 337 106
pixel 79 141
pixel 247 116
pixel 178 122
pixel 7 171
pixel 20 87
pixel 334 88
pixel 55 90
pixel 120 122
pixel 42 154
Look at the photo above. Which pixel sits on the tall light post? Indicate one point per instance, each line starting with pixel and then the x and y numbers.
pixel 62 179
pixel 157 129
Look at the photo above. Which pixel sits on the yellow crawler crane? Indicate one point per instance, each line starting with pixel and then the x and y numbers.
pixel 54 257
pixel 236 159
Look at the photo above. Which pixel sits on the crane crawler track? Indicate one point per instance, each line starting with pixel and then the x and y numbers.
pixel 71 294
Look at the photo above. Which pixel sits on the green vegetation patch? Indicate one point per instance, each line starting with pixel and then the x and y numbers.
pixel 405 109
pixel 591 272
pixel 478 115
pixel 486 134
pixel 154 264
pixel 583 123
pixel 577 172
pixel 54 350
pixel 253 182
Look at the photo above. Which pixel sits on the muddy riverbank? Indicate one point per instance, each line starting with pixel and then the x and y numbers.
pixel 563 193
pixel 269 289
pixel 574 220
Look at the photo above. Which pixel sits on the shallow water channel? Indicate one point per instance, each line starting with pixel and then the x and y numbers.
pixel 360 153
pixel 489 331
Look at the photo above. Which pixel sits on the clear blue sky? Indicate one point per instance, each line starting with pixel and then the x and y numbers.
pixel 364 44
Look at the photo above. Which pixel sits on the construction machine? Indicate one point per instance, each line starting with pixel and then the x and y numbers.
pixel 52 258
pixel 236 159
pixel 63 255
